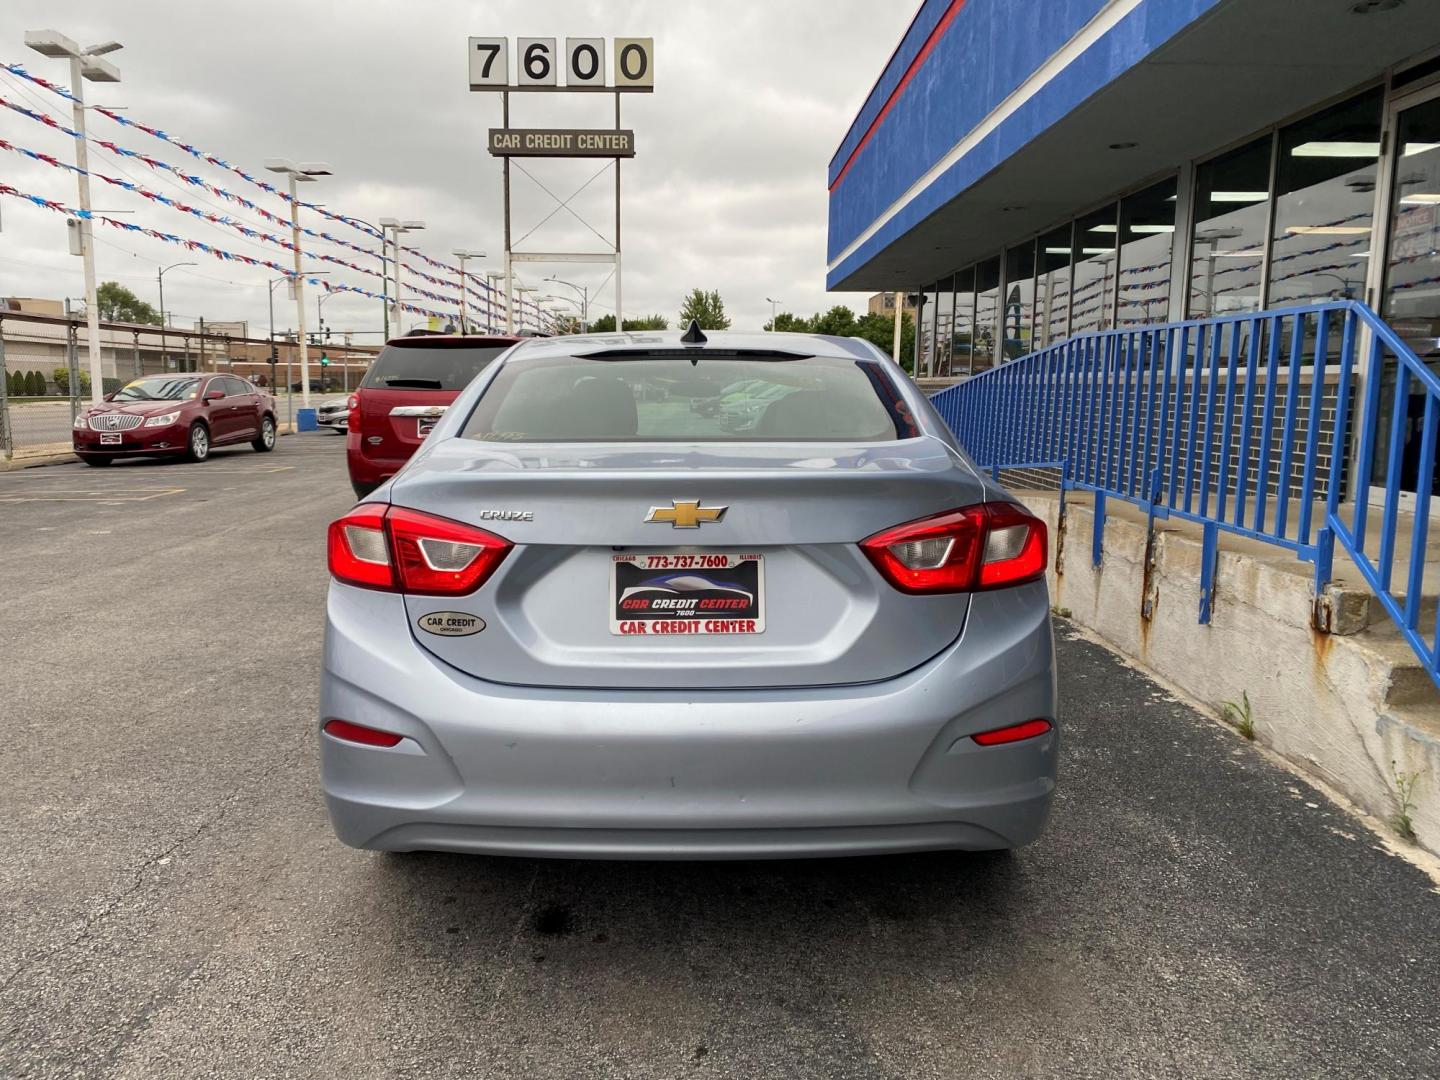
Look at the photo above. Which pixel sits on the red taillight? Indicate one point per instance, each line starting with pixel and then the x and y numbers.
pixel 1014 733
pixel 352 403
pixel 368 736
pixel 359 549
pixel 441 557
pixel 400 550
pixel 987 546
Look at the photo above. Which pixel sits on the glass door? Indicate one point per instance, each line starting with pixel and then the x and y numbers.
pixel 1405 271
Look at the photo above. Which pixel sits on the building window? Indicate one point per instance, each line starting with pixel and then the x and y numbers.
pixel 1410 298
pixel 963 341
pixel 987 299
pixel 924 330
pixel 1147 233
pixel 1019 299
pixel 944 324
pixel 1052 287
pixel 1232 201
pixel 1324 201
pixel 1092 300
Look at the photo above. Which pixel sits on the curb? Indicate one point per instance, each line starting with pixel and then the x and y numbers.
pixel 39 460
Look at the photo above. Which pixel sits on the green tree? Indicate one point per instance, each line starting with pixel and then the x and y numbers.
pixel 34 384
pixel 62 380
pixel 606 324
pixel 116 303
pixel 706 308
pixel 839 321
pixel 879 330
pixel 789 323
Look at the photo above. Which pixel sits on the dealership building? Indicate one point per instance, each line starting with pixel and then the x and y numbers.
pixel 1036 169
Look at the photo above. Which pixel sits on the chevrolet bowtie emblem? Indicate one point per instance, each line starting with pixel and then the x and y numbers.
pixel 685 515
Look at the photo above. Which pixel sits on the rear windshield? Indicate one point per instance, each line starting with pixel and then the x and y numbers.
pixel 672 399
pixel 415 367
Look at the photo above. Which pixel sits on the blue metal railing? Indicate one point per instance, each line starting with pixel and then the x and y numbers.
pixel 1256 424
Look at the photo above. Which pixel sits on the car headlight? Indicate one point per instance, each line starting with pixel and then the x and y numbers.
pixel 81 423
pixel 163 420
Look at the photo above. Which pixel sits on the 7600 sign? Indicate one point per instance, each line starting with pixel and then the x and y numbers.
pixel 539 63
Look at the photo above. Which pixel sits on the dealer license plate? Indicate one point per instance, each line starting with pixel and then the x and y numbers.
pixel 109 438
pixel 686 592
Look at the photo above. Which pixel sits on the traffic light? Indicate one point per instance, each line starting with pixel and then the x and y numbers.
pixel 324 360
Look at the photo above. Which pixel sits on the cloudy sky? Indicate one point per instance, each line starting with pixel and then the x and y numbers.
pixel 727 191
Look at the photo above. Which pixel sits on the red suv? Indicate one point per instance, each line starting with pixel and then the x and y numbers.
pixel 408 387
pixel 182 413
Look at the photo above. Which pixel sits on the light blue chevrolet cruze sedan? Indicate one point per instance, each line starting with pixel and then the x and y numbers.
pixel 599 616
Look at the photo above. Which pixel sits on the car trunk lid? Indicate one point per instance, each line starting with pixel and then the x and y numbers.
pixel 574 511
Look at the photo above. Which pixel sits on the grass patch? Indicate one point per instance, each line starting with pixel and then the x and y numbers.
pixel 1401 821
pixel 1238 716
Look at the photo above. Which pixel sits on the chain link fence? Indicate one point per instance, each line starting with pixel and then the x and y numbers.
pixel 46 366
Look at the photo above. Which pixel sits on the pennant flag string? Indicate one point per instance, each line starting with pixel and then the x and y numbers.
pixel 198 182
pixel 220 163
pixel 208 249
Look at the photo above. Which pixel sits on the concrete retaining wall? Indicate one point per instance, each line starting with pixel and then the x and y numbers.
pixel 1346 708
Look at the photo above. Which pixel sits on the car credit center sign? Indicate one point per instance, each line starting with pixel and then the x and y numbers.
pixel 561 142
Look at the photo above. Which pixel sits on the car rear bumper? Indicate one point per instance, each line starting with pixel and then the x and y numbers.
pixel 497 769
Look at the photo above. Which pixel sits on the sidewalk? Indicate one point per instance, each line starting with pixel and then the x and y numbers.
pixel 30 457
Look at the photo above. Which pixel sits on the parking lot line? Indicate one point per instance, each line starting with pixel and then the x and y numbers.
pixel 116 495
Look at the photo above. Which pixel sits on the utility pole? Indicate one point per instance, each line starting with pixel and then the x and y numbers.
pixel 899 312
pixel 85 64
pixel 299 173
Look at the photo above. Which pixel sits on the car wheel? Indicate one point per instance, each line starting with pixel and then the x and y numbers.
pixel 361 490
pixel 197 447
pixel 96 459
pixel 265 442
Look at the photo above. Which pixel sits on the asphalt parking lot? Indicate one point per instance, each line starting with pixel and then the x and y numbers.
pixel 174 903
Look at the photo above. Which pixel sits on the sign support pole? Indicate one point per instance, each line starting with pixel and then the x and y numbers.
pixel 509 284
pixel 619 307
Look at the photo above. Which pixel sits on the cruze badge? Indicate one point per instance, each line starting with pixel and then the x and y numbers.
pixel 506 515
pixel 687 514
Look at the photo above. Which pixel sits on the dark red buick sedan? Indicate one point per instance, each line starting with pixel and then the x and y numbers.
pixel 176 414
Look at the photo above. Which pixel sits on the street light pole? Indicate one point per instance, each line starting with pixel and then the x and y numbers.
pixel 521 290
pixel 397 229
pixel 160 280
pixel 584 291
pixel 491 276
pixel 85 64
pixel 773 304
pixel 462 254
pixel 298 174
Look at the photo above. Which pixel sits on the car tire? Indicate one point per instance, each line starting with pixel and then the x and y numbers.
pixel 197 443
pixel 265 441
pixel 361 490
pixel 98 460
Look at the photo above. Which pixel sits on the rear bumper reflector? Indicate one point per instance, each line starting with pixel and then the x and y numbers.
pixel 357 733
pixel 1014 733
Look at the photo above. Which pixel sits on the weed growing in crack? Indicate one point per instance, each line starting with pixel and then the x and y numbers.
pixel 1238 716
pixel 1401 821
